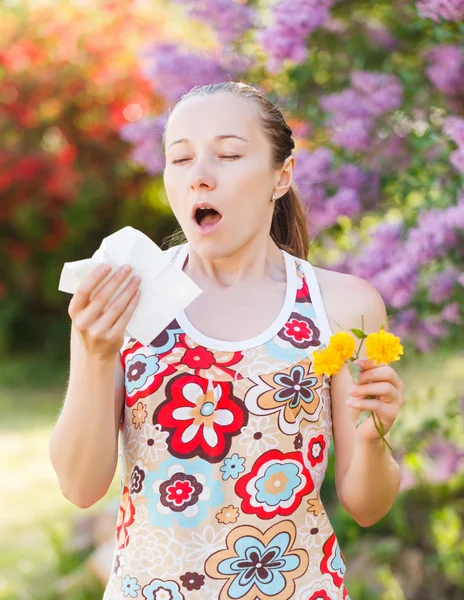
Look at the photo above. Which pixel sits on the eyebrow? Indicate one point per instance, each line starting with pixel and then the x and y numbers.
pixel 217 138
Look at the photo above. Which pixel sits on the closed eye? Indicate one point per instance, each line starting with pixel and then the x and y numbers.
pixel 231 156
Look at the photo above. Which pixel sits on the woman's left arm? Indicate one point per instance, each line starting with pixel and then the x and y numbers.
pixel 367 477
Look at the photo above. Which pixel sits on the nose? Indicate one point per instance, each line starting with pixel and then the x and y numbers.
pixel 200 178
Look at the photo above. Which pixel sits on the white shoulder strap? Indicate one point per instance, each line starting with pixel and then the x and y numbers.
pixel 316 297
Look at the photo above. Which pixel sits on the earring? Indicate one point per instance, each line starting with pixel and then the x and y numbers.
pixel 274 196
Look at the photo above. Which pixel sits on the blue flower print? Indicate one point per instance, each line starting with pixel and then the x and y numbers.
pixel 259 564
pixel 129 586
pixel 278 483
pixel 156 588
pixel 183 491
pixel 138 369
pixel 232 467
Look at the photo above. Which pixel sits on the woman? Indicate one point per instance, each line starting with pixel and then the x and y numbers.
pixel 225 428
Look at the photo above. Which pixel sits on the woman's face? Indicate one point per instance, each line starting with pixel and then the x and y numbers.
pixel 233 175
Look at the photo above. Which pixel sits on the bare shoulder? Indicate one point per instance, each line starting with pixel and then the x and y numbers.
pixel 346 297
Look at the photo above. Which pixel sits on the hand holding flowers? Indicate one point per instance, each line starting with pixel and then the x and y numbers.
pixel 379 390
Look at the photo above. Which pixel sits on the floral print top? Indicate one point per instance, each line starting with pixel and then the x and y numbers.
pixel 223 451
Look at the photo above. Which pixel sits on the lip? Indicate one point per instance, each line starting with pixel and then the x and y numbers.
pixel 204 204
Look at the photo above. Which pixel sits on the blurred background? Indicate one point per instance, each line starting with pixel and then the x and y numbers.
pixel 374 93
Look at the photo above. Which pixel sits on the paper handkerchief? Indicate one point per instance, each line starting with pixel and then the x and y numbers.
pixel 165 288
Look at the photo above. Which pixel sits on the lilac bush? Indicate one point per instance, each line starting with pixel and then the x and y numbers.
pixel 383 138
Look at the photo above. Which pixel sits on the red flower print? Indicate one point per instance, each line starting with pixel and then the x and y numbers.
pixel 188 356
pixel 275 486
pixel 316 450
pixel 333 561
pixel 300 331
pixel 180 491
pixel 320 595
pixel 201 416
pixel 126 517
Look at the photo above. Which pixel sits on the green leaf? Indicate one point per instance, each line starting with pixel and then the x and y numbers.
pixel 365 414
pixel 358 333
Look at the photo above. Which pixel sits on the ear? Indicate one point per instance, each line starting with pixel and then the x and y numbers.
pixel 286 176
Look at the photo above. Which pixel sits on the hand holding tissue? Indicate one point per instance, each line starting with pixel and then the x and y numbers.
pixel 165 288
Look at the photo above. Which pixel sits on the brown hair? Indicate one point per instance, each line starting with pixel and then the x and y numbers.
pixel 289 228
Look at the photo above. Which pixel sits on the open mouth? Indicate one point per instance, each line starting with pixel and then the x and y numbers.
pixel 207 217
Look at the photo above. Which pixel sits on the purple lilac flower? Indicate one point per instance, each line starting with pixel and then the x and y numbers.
pixel 173 70
pixel 379 35
pixel 432 238
pixel 350 176
pixel 383 93
pixel 398 283
pixel 451 313
pixel 351 134
pixel 408 479
pixel 344 202
pixel 312 168
pixel 445 460
pixel 448 10
pixel 390 154
pixel 146 135
pixel 457 159
pixel 292 22
pixel 349 104
pixel 383 249
pixel 144 129
pixel 454 128
pixel 442 284
pixel 149 156
pixel 229 19
pixel 446 70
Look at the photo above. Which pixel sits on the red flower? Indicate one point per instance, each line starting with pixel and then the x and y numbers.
pixel 201 416
pixel 126 517
pixel 300 331
pixel 181 490
pixel 316 450
pixel 333 561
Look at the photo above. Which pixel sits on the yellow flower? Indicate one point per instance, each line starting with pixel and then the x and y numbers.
pixel 383 347
pixel 344 343
pixel 328 361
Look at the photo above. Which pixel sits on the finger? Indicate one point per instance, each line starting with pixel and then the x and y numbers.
pixel 382 388
pixel 367 364
pixel 383 373
pixel 114 310
pixel 94 309
pixel 120 324
pixel 385 410
pixel 81 296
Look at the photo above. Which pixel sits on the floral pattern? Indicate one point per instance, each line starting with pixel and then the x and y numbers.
pixel 333 561
pixel 293 394
pixel 201 416
pixel 189 356
pixel 258 564
pixel 232 466
pixel 301 331
pixel 275 486
pixel 181 491
pixel 126 515
pixel 223 455
pixel 162 590
pixel 144 373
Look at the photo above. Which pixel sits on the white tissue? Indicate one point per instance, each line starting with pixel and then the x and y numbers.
pixel 165 288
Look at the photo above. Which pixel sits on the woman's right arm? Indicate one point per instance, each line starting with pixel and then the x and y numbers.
pixel 84 442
